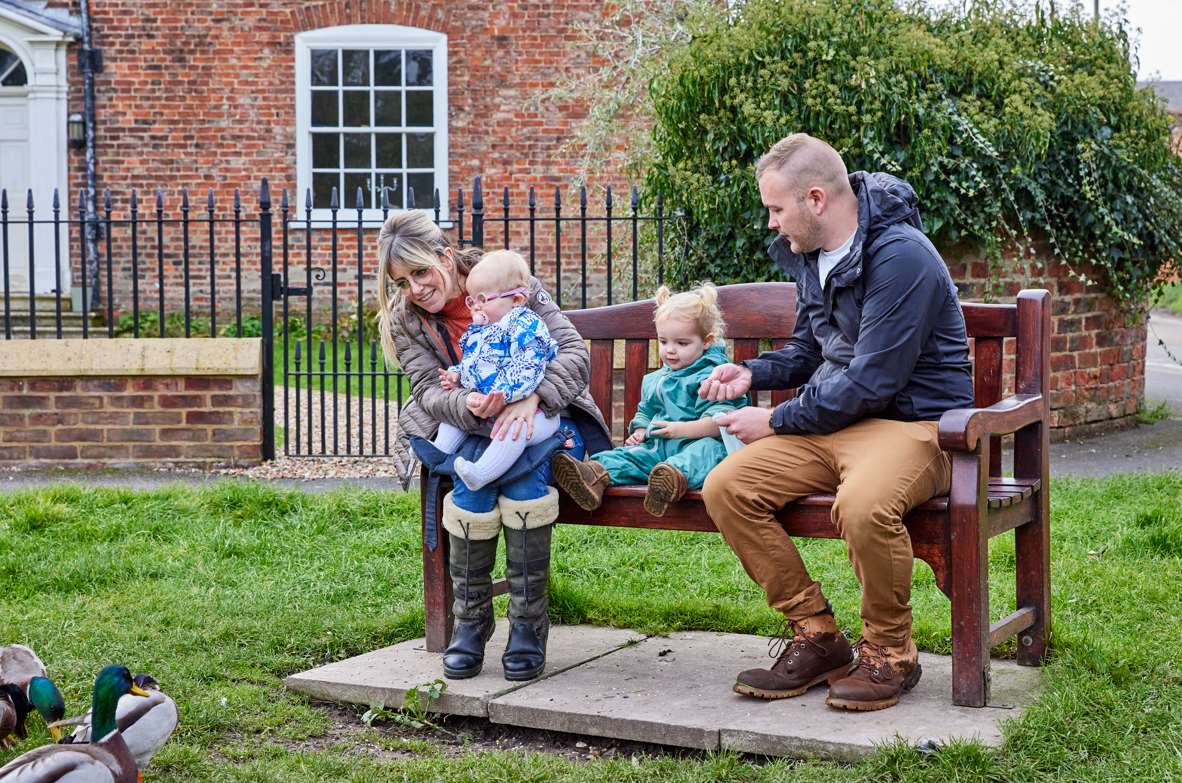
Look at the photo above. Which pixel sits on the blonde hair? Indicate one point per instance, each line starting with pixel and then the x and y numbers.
pixel 504 269
pixel 699 305
pixel 413 240
pixel 806 161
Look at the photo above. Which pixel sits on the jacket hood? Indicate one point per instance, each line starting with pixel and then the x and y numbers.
pixel 884 200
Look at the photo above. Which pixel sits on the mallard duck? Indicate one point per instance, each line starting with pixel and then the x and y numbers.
pixel 23 670
pixel 107 761
pixel 14 706
pixel 146 724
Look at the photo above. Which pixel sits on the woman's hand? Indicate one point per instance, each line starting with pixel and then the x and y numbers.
pixel 486 405
pixel 517 419
pixel 636 438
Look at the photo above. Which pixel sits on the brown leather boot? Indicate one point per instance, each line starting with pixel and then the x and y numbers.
pixel 666 484
pixel 881 676
pixel 585 482
pixel 817 652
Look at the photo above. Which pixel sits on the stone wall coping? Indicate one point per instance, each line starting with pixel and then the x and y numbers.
pixel 155 356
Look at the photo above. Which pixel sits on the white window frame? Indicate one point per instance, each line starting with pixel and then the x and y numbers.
pixel 366 36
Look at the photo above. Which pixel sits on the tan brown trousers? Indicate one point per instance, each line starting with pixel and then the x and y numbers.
pixel 879 470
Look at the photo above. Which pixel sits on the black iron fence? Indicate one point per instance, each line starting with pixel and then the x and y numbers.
pixel 179 266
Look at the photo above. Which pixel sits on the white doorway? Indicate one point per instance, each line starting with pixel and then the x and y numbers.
pixel 14 167
pixel 33 149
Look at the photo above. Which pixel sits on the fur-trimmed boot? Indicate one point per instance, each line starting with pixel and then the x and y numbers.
pixel 528 529
pixel 473 537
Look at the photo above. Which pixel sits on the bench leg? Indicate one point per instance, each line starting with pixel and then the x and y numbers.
pixel 970 580
pixel 437 589
pixel 1032 548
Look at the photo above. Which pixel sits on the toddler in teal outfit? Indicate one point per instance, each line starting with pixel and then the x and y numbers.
pixel 673 441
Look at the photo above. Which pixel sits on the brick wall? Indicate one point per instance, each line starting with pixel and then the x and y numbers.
pixel 98 421
pixel 112 403
pixel 202 95
pixel 1097 351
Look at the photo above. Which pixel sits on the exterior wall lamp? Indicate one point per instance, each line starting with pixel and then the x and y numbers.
pixel 76 130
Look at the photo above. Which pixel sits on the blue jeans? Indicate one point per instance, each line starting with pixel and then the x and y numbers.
pixel 533 485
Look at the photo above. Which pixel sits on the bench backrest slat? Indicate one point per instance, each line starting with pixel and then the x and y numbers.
pixel 762 312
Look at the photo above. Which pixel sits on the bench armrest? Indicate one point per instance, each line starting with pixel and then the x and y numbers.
pixel 961 429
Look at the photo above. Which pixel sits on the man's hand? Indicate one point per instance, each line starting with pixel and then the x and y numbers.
pixel 726 382
pixel 748 424
pixel 448 380
pixel 636 438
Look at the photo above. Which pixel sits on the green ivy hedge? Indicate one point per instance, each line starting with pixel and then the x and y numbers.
pixel 1010 124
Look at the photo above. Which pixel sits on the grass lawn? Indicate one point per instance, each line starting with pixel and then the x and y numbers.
pixel 1170 298
pixel 220 592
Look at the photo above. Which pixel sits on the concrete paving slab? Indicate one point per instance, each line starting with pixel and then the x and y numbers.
pixel 386 675
pixel 676 690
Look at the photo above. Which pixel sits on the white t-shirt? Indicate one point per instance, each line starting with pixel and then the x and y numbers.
pixel 829 258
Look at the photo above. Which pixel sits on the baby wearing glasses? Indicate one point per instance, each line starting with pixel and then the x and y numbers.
pixel 506 350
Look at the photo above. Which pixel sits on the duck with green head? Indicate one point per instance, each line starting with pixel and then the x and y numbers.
pixel 24 687
pixel 146 724
pixel 106 761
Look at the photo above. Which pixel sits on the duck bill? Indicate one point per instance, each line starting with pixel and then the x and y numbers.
pixel 55 732
pixel 138 691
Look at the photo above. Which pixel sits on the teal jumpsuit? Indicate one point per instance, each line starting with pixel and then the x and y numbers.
pixel 672 395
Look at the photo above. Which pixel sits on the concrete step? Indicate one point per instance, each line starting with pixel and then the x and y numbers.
pixel 19 300
pixel 674 690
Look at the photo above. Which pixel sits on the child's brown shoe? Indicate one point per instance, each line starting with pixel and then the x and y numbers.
pixel 585 482
pixel 666 484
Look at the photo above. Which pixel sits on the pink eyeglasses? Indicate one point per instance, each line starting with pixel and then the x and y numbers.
pixel 483 299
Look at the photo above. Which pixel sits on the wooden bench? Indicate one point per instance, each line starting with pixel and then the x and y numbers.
pixel 951 534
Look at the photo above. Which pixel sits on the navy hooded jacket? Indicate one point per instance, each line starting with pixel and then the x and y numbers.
pixel 884 338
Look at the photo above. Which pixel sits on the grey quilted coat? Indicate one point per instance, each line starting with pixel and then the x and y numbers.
pixel 422 348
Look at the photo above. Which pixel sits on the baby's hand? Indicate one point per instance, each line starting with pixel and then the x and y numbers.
pixel 636 438
pixel 474 400
pixel 448 380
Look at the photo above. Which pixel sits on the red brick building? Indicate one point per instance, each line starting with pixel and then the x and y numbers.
pixel 218 94
pixel 213 96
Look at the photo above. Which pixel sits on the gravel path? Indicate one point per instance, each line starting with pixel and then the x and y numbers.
pixel 365 422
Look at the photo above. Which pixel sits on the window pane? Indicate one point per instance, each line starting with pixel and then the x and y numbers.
pixel 420 107
pixel 326 152
pixel 324 108
pixel 418 68
pixel 387 107
pixel 424 185
pixel 352 182
pixel 389 150
pixel 355 66
pixel 12 70
pixel 324 67
pixel 357 150
pixel 322 185
pixel 357 108
pixel 392 181
pixel 387 67
pixel 420 150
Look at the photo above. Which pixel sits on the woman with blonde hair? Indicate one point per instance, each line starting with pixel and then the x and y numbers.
pixel 423 313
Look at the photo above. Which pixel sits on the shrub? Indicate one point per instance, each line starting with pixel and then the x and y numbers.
pixel 1009 125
